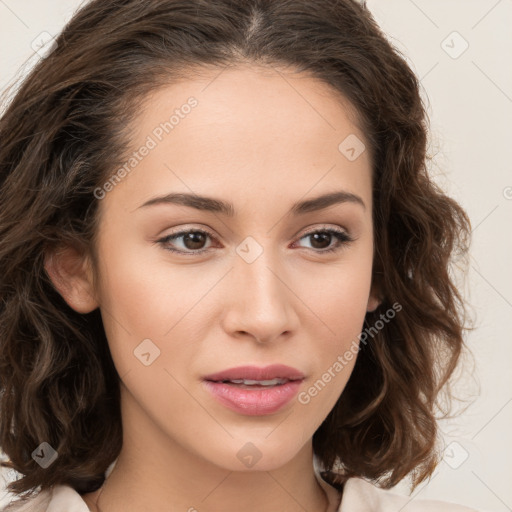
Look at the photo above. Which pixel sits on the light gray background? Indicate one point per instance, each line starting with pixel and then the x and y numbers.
pixel 469 94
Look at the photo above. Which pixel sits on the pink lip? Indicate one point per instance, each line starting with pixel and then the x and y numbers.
pixel 255 400
pixel 274 371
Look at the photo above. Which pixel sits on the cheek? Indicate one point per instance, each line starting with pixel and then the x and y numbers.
pixel 340 300
pixel 339 293
pixel 132 306
pixel 144 297
pixel 141 291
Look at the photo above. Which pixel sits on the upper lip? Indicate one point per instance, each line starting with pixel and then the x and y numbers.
pixel 274 371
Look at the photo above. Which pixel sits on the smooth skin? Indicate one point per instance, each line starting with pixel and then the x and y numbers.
pixel 261 139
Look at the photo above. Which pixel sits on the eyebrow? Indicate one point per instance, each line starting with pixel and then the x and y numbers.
pixel 211 204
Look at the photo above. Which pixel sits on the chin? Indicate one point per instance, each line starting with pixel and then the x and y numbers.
pixel 255 454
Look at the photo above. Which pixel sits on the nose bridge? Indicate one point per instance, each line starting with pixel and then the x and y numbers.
pixel 260 302
pixel 257 267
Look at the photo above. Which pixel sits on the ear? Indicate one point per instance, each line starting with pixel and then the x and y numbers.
pixel 374 300
pixel 71 275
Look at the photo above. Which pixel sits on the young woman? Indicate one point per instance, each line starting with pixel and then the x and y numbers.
pixel 225 270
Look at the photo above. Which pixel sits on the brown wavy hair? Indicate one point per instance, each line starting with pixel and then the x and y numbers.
pixel 63 134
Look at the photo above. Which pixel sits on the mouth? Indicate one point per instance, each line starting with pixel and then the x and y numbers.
pixel 254 391
pixel 250 384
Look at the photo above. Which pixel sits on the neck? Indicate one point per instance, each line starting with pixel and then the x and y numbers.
pixel 155 473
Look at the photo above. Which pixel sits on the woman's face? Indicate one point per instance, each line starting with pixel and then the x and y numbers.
pixel 254 283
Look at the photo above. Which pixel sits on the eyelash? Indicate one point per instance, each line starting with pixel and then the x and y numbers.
pixel 342 238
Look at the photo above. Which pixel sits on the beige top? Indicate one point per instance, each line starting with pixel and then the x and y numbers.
pixel 358 496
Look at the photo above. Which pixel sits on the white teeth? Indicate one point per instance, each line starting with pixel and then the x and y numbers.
pixel 249 382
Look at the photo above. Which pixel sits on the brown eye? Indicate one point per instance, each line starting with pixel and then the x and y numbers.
pixel 321 240
pixel 193 241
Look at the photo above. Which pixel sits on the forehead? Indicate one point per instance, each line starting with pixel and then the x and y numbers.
pixel 254 100
pixel 249 129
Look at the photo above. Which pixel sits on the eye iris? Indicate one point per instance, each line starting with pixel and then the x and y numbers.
pixel 319 236
pixel 195 237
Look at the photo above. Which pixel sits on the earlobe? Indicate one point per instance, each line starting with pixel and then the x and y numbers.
pixel 70 274
pixel 373 300
pixel 373 304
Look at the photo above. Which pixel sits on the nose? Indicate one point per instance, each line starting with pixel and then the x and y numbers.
pixel 261 303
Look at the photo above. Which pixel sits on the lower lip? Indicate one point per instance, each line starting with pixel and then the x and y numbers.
pixel 254 401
